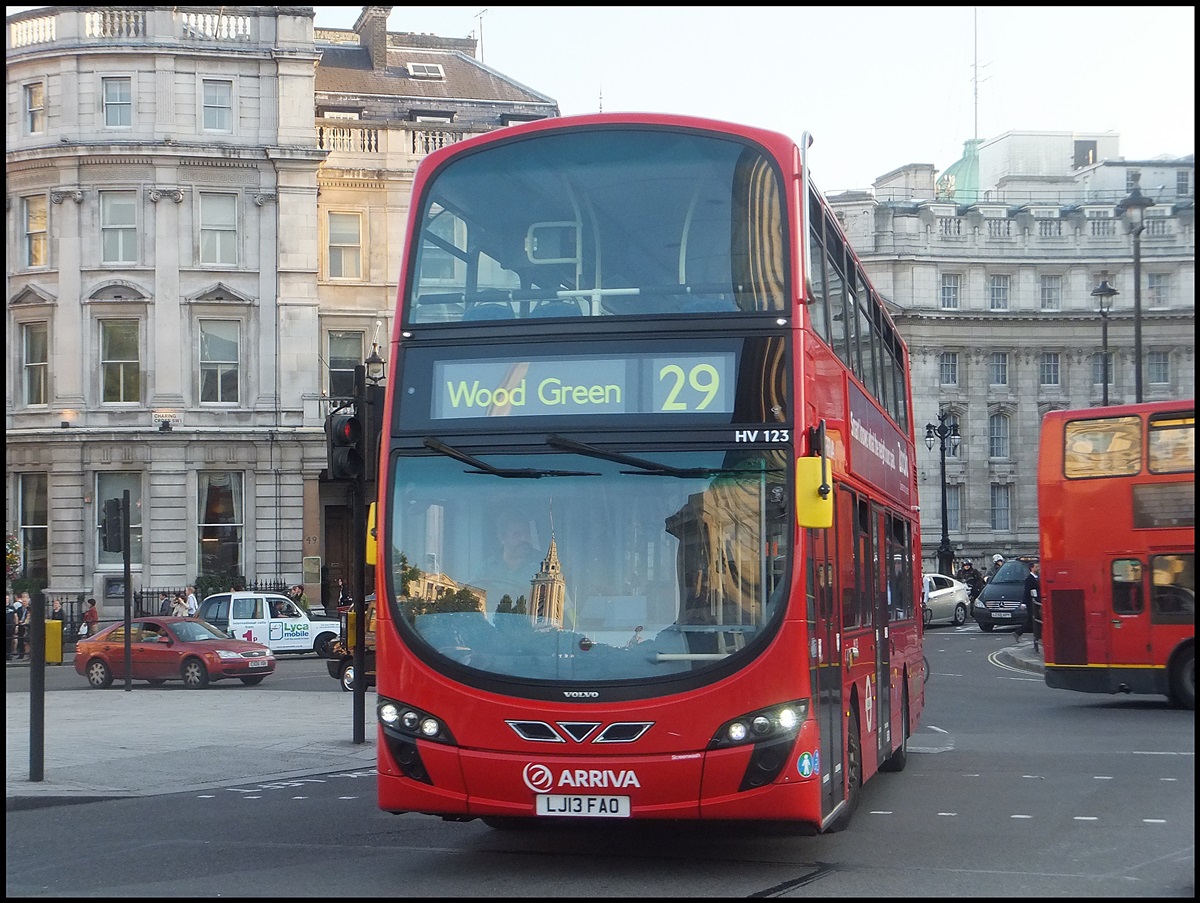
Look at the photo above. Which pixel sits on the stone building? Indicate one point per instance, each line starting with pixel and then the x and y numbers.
pixel 990 271
pixel 204 211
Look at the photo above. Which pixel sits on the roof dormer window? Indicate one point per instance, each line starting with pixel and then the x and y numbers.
pixel 426 70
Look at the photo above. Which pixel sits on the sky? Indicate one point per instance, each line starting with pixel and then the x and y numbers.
pixel 877 87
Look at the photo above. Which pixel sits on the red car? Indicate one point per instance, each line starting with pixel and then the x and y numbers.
pixel 171 648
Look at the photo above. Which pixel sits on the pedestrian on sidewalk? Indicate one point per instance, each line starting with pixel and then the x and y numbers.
pixel 1028 600
pixel 179 606
pixel 10 626
pixel 91 617
pixel 22 625
pixel 193 606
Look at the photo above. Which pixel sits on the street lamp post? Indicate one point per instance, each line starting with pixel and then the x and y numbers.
pixel 945 433
pixel 368 402
pixel 1104 294
pixel 1134 208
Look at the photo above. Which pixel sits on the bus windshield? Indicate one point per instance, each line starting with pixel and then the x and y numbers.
pixel 629 221
pixel 573 567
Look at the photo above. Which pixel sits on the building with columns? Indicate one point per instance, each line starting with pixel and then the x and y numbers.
pixel 203 208
pixel 990 271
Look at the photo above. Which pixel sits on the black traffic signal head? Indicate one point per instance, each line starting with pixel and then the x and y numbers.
pixel 345 439
pixel 112 530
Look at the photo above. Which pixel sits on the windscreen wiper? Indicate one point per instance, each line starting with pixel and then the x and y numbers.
pixel 526 473
pixel 654 468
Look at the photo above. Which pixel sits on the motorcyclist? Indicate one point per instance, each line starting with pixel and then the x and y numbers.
pixel 971 577
pixel 997 563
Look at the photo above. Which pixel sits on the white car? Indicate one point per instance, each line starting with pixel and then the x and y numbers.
pixel 944 600
pixel 271 619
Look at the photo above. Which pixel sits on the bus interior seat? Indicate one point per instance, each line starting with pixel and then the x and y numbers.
pixel 557 308
pixel 700 304
pixel 490 310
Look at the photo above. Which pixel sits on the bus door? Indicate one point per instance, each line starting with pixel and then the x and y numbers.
pixel 883 663
pixel 1128 643
pixel 825 657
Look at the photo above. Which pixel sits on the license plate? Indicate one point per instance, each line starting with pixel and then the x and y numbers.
pixel 261 663
pixel 583 806
pixel 1002 614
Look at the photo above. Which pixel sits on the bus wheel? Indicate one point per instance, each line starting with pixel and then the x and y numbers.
pixel 853 775
pixel 960 615
pixel 1183 680
pixel 897 760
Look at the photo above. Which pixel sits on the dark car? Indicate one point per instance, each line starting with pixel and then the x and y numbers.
pixel 171 648
pixel 999 604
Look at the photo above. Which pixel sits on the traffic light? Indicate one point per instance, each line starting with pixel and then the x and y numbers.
pixel 112 530
pixel 344 435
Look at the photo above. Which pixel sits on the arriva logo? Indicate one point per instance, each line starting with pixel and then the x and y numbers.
pixel 540 779
pixel 581 694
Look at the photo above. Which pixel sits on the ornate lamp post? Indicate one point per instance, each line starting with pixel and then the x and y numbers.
pixel 1104 294
pixel 1134 209
pixel 944 434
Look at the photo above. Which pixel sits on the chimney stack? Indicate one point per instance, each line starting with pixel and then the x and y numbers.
pixel 371 29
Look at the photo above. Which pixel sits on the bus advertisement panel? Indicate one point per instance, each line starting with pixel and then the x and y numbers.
pixel 646 520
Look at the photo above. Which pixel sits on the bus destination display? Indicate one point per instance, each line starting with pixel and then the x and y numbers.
pixel 563 386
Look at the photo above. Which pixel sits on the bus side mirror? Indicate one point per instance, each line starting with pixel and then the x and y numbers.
pixel 814 498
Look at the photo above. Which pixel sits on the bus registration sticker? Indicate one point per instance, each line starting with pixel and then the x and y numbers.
pixel 583 806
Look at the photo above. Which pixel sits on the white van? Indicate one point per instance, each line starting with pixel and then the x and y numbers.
pixel 271 619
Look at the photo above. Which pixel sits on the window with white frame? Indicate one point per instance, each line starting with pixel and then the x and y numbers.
pixel 345 353
pixel 948 368
pixel 1183 186
pixel 951 423
pixel 218 229
pixel 998 368
pixel 426 70
pixel 1098 369
pixel 35 350
pixel 33 519
pixel 345 246
pixel 220 522
pixel 1001 513
pixel 1051 292
pixel 35 108
pixel 1158 289
pixel 218 105
pixel 1158 368
pixel 117 93
pixel 120 366
pixel 219 368
pixel 998 292
pixel 1048 369
pixel 951 284
pixel 998 436
pixel 112 486
pixel 35 221
pixel 953 507
pixel 118 227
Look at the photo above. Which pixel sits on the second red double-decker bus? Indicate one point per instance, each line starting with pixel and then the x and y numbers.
pixel 647 507
pixel 1116 509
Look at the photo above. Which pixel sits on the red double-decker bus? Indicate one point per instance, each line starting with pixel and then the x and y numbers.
pixel 647 507
pixel 1116 509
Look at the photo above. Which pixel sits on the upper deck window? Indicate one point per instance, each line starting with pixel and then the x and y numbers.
pixel 603 222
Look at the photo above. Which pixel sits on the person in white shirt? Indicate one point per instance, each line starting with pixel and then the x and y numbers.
pixel 192 605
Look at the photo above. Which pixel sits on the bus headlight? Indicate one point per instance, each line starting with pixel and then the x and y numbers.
pixel 774 723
